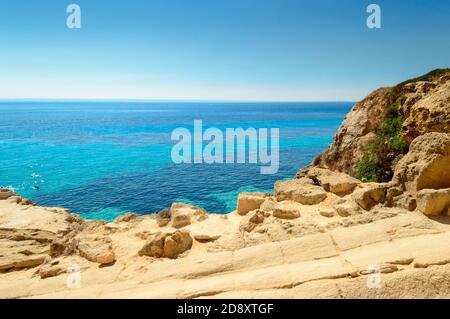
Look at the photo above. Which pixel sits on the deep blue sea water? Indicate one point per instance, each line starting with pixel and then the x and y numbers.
pixel 104 159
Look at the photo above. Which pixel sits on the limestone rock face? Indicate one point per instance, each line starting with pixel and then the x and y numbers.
pixel 430 113
pixel 250 201
pixel 97 249
pixel 434 202
pixel 355 132
pixel 334 182
pixel 168 245
pixel 23 248
pixel 426 165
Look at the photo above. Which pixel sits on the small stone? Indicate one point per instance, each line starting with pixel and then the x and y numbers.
pixel 344 210
pixel 205 238
pixel 327 212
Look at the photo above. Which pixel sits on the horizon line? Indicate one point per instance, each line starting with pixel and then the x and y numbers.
pixel 100 100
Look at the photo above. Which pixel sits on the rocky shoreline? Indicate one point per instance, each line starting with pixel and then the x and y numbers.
pixel 323 234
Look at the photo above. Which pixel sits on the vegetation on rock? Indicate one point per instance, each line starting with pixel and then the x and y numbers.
pixel 388 147
pixel 399 90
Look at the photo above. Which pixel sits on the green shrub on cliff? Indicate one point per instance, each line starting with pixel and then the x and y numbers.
pixel 379 156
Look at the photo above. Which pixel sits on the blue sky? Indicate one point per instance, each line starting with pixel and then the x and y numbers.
pixel 217 49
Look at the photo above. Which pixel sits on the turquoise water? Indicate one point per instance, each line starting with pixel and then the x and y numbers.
pixel 104 159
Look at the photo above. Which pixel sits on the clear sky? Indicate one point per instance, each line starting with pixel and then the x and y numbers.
pixel 217 49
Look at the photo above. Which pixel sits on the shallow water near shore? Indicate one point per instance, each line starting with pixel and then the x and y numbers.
pixel 104 159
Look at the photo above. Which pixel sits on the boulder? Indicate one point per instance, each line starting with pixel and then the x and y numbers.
pixel 96 249
pixel 177 243
pixel 337 183
pixel 250 201
pixel 370 195
pixel 6 193
pixel 433 202
pixel 125 218
pixel 284 189
pixel 182 215
pixel 286 210
pixel 309 195
pixel 168 245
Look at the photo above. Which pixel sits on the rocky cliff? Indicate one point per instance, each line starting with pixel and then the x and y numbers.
pixel 323 234
pixel 421 105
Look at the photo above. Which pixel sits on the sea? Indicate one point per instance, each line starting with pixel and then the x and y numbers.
pixel 103 159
